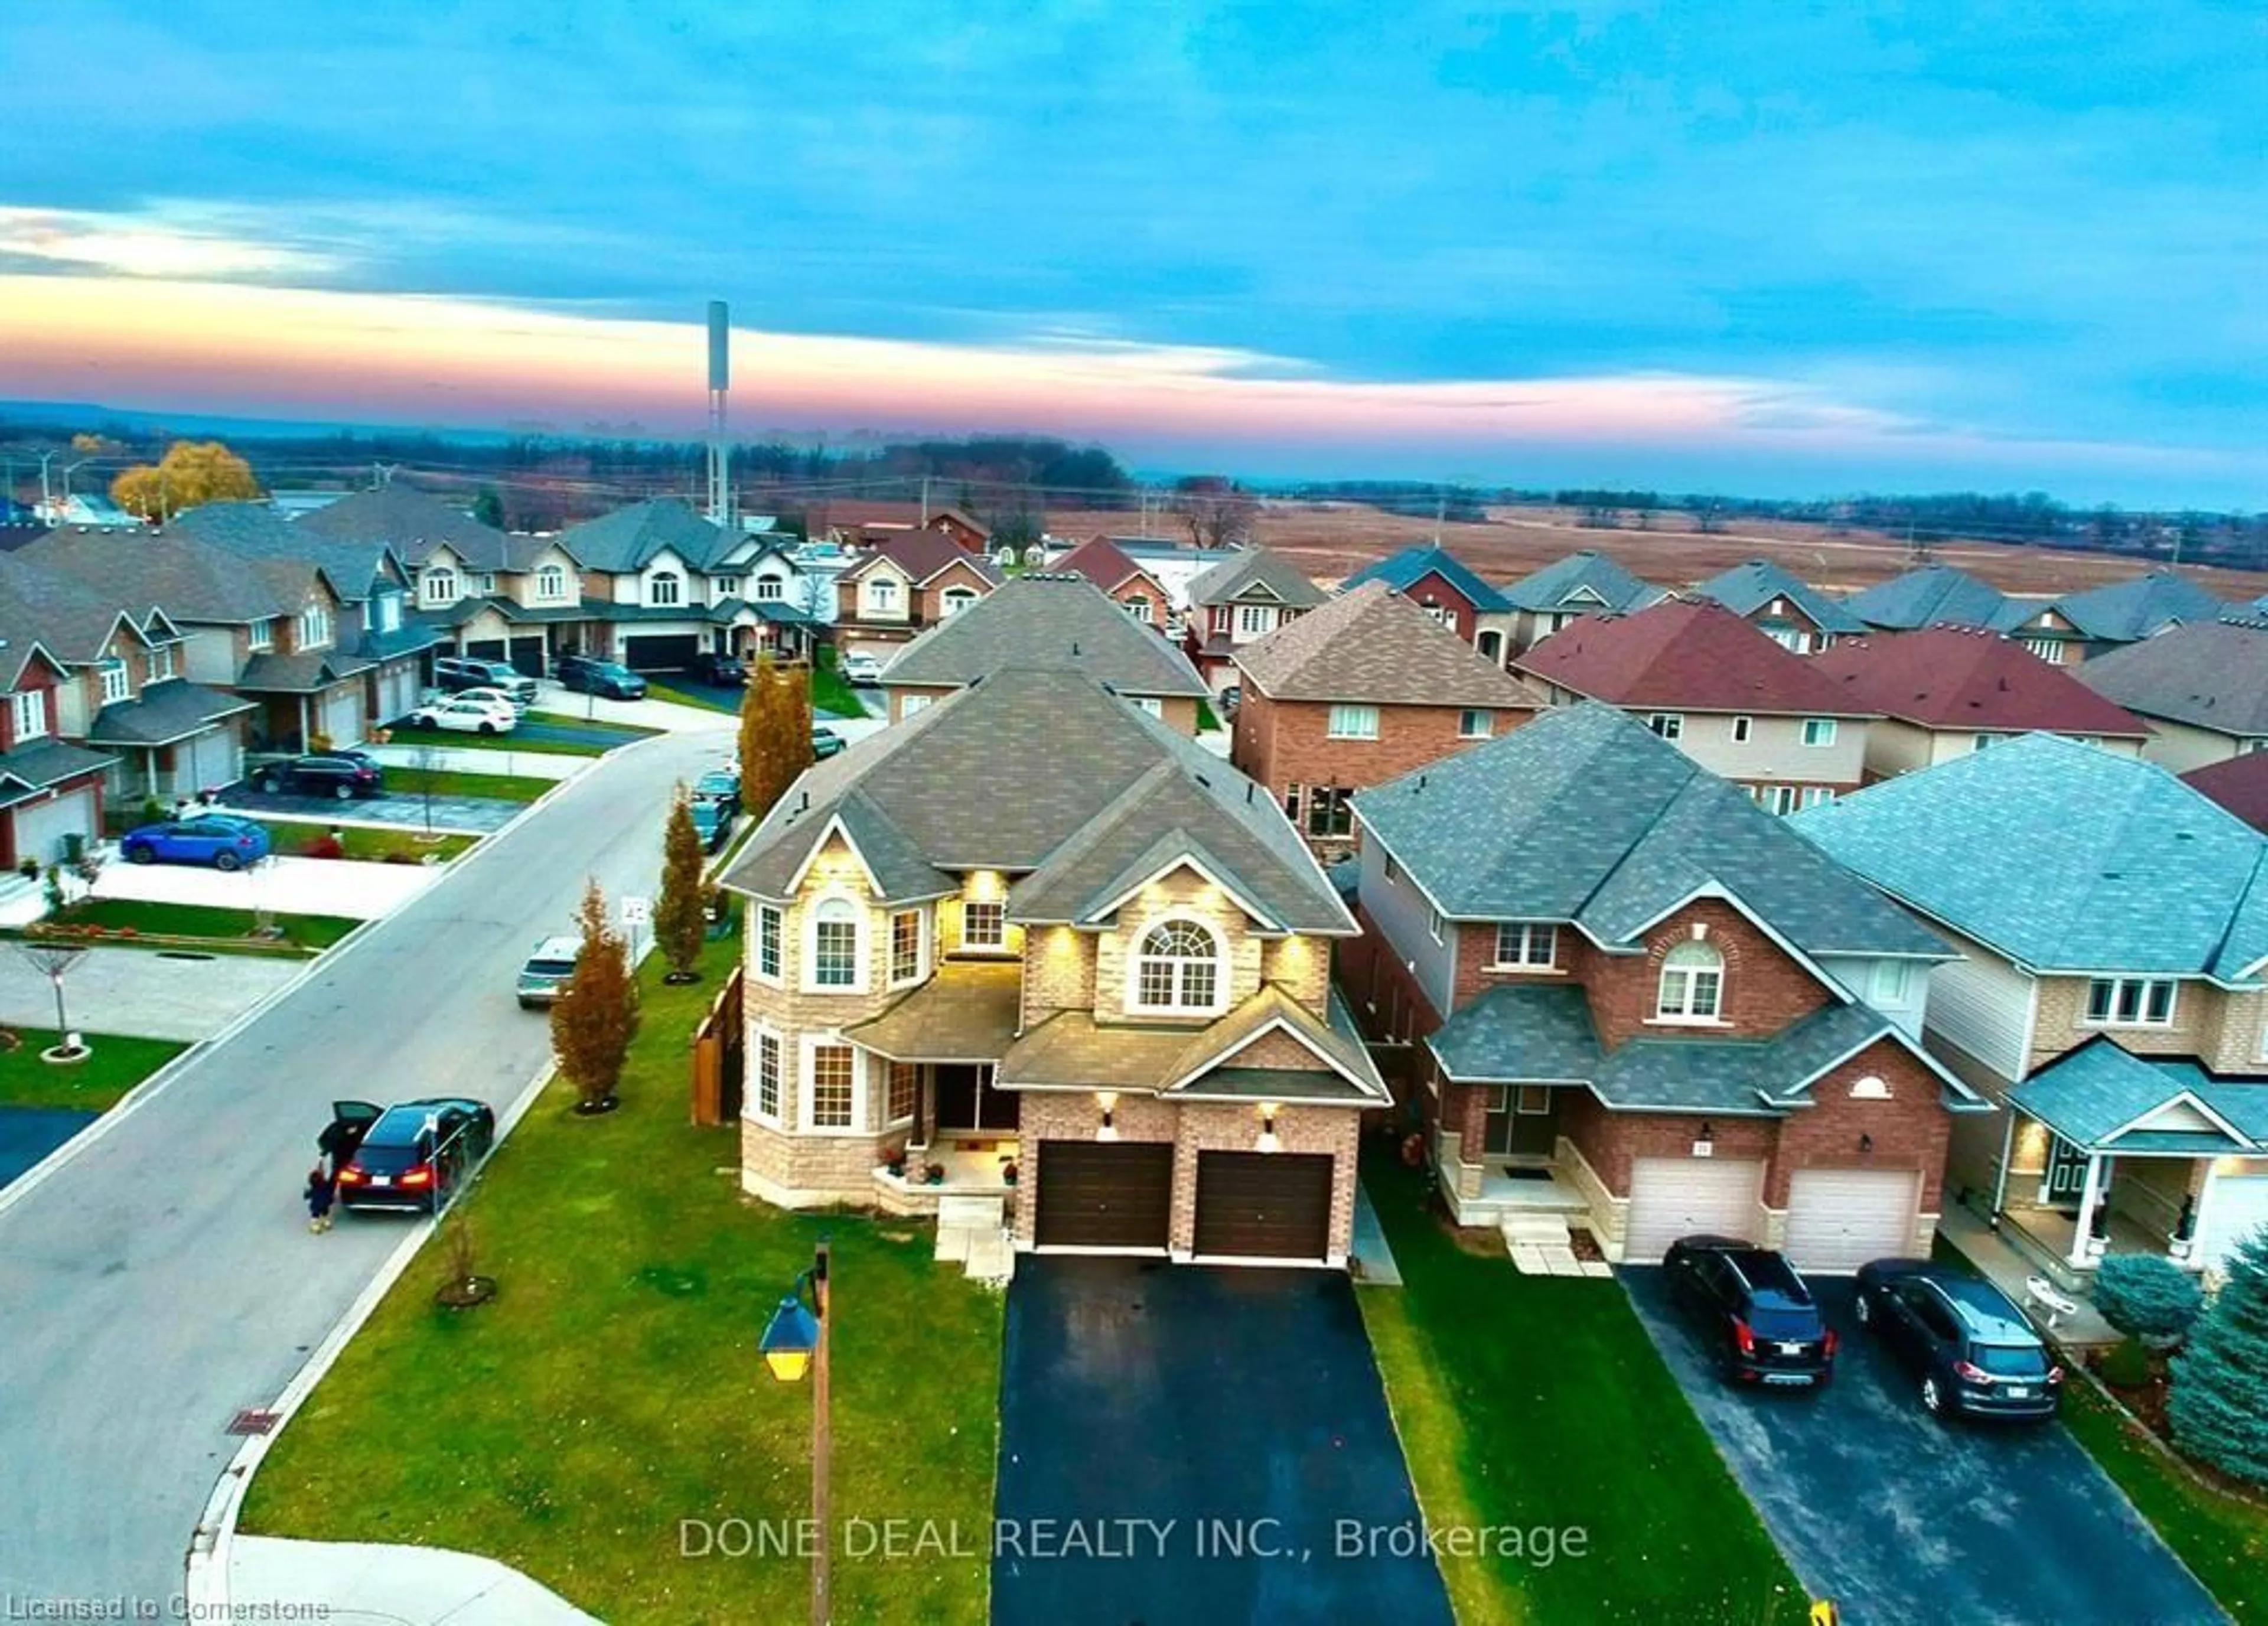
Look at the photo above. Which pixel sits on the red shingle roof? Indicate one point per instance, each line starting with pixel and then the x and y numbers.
pixel 921 555
pixel 2240 784
pixel 1685 654
pixel 1101 562
pixel 1966 677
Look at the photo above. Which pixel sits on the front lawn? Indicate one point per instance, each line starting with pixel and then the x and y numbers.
pixel 679 697
pixel 198 920
pixel 91 1086
pixel 828 690
pixel 411 782
pixel 613 1389
pixel 1538 1401
pixel 366 843
pixel 513 741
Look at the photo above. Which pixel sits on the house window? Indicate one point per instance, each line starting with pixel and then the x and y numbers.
pixel 834 1086
pixel 767 1076
pixel 769 590
pixel 905 1090
pixel 1435 927
pixel 117 682
pixel 550 583
pixel 1330 811
pixel 29 713
pixel 1819 730
pixel 1149 703
pixel 1891 983
pixel 952 601
pixel 2129 1002
pixel 437 586
pixel 1353 722
pixel 1779 799
pixel 1475 724
pixel 1792 639
pixel 723 587
pixel 2048 650
pixel 908 704
pixel 1177 969
pixel 882 594
pixel 1255 619
pixel 1390 870
pixel 1742 727
pixel 1692 984
pixel 1139 609
pixel 1525 943
pixel 161 663
pixel 834 945
pixel 1983 740
pixel 768 942
pixel 1440 615
pixel 315 626
pixel 1813 795
pixel 262 636
pixel 1669 724
pixel 665 588
pixel 488 581
pixel 906 946
pixel 983 925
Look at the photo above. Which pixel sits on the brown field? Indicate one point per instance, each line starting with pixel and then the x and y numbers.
pixel 1332 540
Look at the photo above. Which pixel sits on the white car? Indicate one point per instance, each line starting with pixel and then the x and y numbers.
pixel 862 668
pixel 494 696
pixel 467 716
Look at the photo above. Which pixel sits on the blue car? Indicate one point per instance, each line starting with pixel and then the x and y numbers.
pixel 223 843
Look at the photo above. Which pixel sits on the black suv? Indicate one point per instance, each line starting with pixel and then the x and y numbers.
pixel 725 671
pixel 1973 1350
pixel 610 679
pixel 1756 1313
pixel 342 774
pixel 458 672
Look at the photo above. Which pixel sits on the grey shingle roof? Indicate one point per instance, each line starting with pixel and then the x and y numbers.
pixel 297 674
pixel 413 524
pixel 1259 573
pixel 1403 569
pixel 44 610
pixel 1071 1048
pixel 629 539
pixel 1584 815
pixel 31 769
pixel 1583 582
pixel 2089 1093
pixel 1934 595
pixel 256 531
pixel 2210 673
pixel 1047 623
pixel 176 571
pixel 164 712
pixel 2122 612
pixel 2070 859
pixel 1372 646
pixel 1747 588
pixel 969 1011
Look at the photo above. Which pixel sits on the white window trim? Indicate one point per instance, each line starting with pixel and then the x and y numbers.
pixel 1436 927
pixel 437 586
pixel 778 918
pixel 117 682
pixel 1883 969
pixel 674 598
pixel 768 589
pixel 1138 607
pixel 1149 703
pixel 1222 968
pixel 1485 730
pixel 751 1107
pixel 30 721
pixel 861 929
pixel 261 634
pixel 896 1120
pixel 1528 928
pixel 921 947
pixel 2173 1003
pixel 1000 947
pixel 315 626
pixel 1668 725
pixel 1744 728
pixel 1682 1014
pixel 1824 726
pixel 724 587
pixel 554 590
pixel 1352 722
pixel 161 662
pixel 806 1058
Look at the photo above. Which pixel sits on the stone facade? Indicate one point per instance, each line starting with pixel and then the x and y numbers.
pixel 2228 1032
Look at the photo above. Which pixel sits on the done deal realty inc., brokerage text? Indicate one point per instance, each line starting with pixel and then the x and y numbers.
pixel 1043 1539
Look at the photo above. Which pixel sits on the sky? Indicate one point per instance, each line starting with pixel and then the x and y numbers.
pixel 1755 247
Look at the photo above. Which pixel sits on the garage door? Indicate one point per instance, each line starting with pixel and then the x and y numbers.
pixel 341 717
pixel 486 649
pixel 210 762
pixel 1264 1205
pixel 41 828
pixel 655 652
pixel 1094 1195
pixel 1837 1219
pixel 1671 1197
pixel 528 655
pixel 2235 1208
pixel 397 691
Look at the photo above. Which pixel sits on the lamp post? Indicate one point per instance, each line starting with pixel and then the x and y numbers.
pixel 795 1342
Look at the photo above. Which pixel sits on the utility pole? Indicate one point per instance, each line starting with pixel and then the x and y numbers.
pixel 46 492
pixel 924 500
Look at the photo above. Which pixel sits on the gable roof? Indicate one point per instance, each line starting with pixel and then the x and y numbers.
pixel 1964 677
pixel 922 555
pixel 1047 623
pixel 1749 587
pixel 631 538
pixel 413 523
pixel 2239 785
pixel 2122 612
pixel 2210 674
pixel 1404 569
pixel 50 611
pixel 175 571
pixel 1372 646
pixel 1263 574
pixel 1586 816
pixel 1101 562
pixel 256 531
pixel 2088 1094
pixel 1934 594
pixel 1587 582
pixel 1685 654
pixel 2071 859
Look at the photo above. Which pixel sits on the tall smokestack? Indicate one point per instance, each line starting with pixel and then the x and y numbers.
pixel 720 359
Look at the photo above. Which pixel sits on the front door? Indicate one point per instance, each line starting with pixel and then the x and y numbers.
pixel 2066 1178
pixel 967 1102
pixel 1523 1122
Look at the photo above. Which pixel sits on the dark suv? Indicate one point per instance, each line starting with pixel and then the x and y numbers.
pixel 342 774
pixel 610 679
pixel 415 1156
pixel 1973 1350
pixel 1753 1312
pixel 725 670
pixel 458 672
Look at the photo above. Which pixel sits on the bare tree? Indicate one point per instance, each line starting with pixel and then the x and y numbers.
pixel 54 961
pixel 1218 512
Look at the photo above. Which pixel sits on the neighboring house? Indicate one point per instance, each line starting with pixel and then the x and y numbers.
pixel 51 791
pixel 1643 1005
pixel 2204 687
pixel 2114 926
pixel 1934 595
pixel 1124 583
pixel 660 585
pixel 904 584
pixel 1582 584
pixel 1363 690
pixel 1175 566
pixel 1725 692
pixel 2080 626
pixel 1238 601
pixel 863 525
pixel 1030 930
pixel 1439 584
pixel 1797 617
pixel 1945 691
pixel 83 512
pixel 2239 785
pixel 1050 623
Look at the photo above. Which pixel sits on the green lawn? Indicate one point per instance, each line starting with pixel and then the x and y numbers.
pixel 1207 723
pixel 93 1085
pixel 493 742
pixel 196 920
pixel 613 1389
pixel 1532 1402
pixel 361 842
pixel 679 697
pixel 829 691
pixel 414 781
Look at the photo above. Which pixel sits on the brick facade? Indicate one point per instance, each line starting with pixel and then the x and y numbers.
pixel 2223 1030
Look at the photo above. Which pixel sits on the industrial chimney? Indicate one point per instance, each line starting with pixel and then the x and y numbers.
pixel 720 356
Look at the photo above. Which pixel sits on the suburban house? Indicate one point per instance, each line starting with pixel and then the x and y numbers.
pixel 2114 926
pixel 660 585
pixel 2080 626
pixel 2203 685
pixel 1049 623
pixel 1582 584
pixel 2239 785
pixel 1441 583
pixel 1173 566
pixel 901 586
pixel 1238 601
pixel 1640 1005
pixel 51 791
pixel 1722 691
pixel 1934 595
pixel 1794 616
pixel 1124 583
pixel 1363 690
pixel 863 525
pixel 1067 969
pixel 1945 691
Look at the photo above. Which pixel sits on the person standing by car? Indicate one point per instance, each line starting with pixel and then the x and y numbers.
pixel 323 1188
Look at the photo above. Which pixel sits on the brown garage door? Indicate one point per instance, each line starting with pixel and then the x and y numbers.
pixel 1270 1205
pixel 1096 1195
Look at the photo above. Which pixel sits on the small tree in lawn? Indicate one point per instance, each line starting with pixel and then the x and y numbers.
pixel 678 925
pixel 2219 1406
pixel 2148 1296
pixel 596 1015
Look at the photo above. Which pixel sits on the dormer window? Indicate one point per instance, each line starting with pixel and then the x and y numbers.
pixel 1178 968
pixel 1692 984
pixel 386 612
pixel 665 588
pixel 262 636
pixel 768 589
pixel 550 583
pixel 117 682
pixel 315 626
pixel 28 711
pixel 437 585
pixel 161 662
pixel 724 587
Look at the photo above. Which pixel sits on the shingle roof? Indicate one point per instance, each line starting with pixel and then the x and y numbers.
pixel 31 769
pixel 164 712
pixel 46 609
pixel 2086 1095
pixel 1259 573
pixel 921 555
pixel 299 674
pixel 970 1011
pixel 632 537
pixel 1585 582
pixel 2122 612
pixel 413 524
pixel 2209 673
pixel 1685 654
pixel 1372 646
pixel 1072 1049
pixel 1966 677
pixel 256 531
pixel 1748 588
pixel 1047 623
pixel 1402 570
pixel 2239 785
pixel 1099 561
pixel 176 571
pixel 1934 595
pixel 2070 859
pixel 1584 815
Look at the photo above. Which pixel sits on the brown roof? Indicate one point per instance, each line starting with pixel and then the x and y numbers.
pixel 969 1011
pixel 848 515
pixel 1372 646
pixel 2240 784
pixel 923 555
pixel 1101 562
pixel 1966 677
pixel 1074 1049
pixel 1685 654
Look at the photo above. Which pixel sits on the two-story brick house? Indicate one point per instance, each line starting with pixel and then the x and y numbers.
pixel 660 585
pixel 51 791
pixel 1566 590
pixel 1451 592
pixel 1037 942
pixel 904 584
pixel 862 524
pixel 2203 685
pixel 1362 690
pixel 1237 600
pixel 1639 1003
pixel 1798 617
pixel 2080 626
pixel 1124 582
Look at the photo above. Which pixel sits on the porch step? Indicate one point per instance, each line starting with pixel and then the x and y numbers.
pixel 1539 1229
pixel 952 1244
pixel 971 1211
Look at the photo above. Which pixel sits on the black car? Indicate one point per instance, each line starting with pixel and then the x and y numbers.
pixel 712 822
pixel 342 774
pixel 1753 1311
pixel 608 679
pixel 725 670
pixel 455 674
pixel 1972 1348
pixel 415 1156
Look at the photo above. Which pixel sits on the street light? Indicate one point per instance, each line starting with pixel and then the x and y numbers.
pixel 794 1342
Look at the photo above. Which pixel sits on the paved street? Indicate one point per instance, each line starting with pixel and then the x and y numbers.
pixel 163 1277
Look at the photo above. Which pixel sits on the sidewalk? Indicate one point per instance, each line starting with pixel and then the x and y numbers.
pixel 283 885
pixel 1999 1263
pixel 364 1581
pixel 475 759
pixel 554 701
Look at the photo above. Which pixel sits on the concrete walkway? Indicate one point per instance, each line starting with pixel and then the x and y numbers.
pixel 364 1581
pixel 663 714
pixel 2007 1270
pixel 1373 1260
pixel 483 760
pixel 284 885
pixel 141 993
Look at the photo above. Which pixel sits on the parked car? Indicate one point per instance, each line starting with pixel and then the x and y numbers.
pixel 725 670
pixel 1971 1348
pixel 518 702
pixel 218 839
pixel 547 972
pixel 608 679
pixel 718 785
pixel 712 822
pixel 466 715
pixel 825 742
pixel 1753 1311
pixel 414 1156
pixel 342 774
pixel 458 672
pixel 862 669
pixel 1231 698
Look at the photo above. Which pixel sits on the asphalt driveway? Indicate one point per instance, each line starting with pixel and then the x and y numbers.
pixel 1896 1516
pixel 1151 1416
pixel 28 1133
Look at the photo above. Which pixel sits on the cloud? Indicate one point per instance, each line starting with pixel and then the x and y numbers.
pixel 201 242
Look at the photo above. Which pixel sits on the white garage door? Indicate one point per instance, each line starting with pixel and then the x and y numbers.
pixel 1837 1219
pixel 397 692
pixel 210 762
pixel 341 716
pixel 41 828
pixel 2236 1207
pixel 1671 1197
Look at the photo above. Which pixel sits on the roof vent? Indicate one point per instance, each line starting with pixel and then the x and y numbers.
pixel 1074 646
pixel 1421 782
pixel 805 804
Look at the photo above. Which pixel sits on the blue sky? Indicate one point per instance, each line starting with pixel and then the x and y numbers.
pixel 1739 245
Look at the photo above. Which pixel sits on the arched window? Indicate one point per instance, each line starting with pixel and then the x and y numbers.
pixel 834 945
pixel 955 599
pixel 1177 969
pixel 664 588
pixel 1692 984
pixel 550 582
